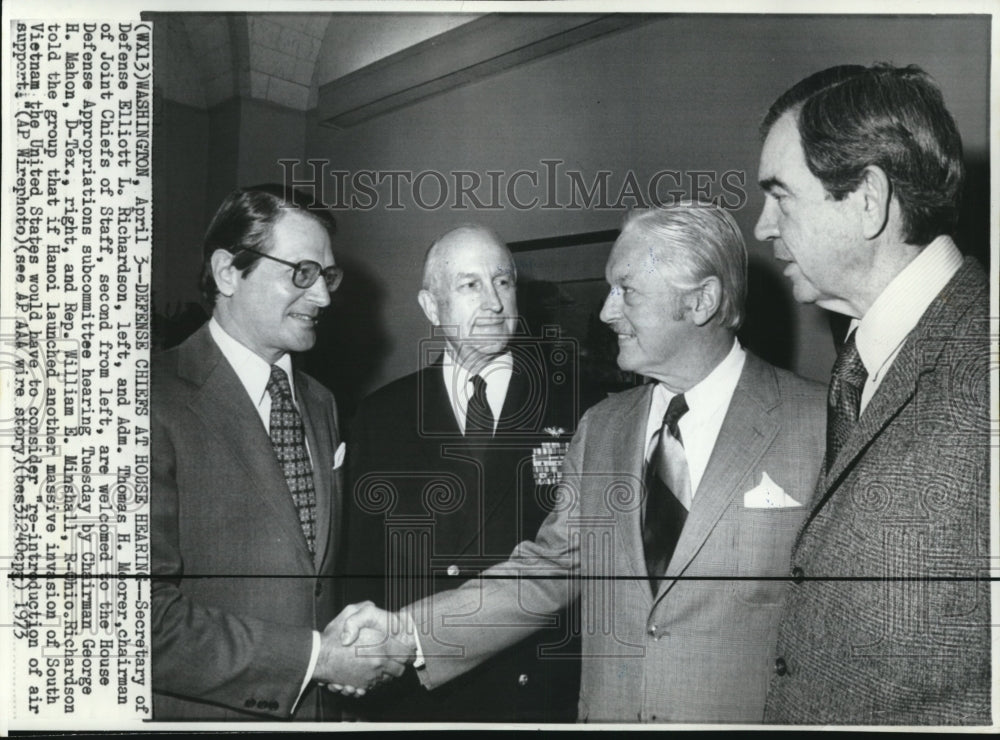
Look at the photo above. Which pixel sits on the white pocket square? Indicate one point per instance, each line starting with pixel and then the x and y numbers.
pixel 338 456
pixel 768 495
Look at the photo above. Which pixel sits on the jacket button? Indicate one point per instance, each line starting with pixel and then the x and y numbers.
pixel 652 631
pixel 249 703
pixel 780 667
pixel 273 706
pixel 262 704
pixel 798 575
pixel 452 570
pixel 522 680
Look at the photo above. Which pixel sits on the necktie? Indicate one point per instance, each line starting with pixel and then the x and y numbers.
pixel 847 381
pixel 288 441
pixel 668 494
pixel 478 415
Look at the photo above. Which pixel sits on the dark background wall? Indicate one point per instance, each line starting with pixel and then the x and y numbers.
pixel 678 92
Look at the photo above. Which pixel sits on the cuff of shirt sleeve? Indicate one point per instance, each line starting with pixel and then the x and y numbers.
pixel 419 661
pixel 309 671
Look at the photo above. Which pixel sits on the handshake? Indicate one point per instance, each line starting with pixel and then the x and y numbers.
pixel 363 647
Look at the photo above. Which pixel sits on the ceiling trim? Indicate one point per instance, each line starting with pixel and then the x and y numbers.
pixel 564 240
pixel 471 52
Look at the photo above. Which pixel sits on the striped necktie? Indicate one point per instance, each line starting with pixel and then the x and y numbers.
pixel 668 494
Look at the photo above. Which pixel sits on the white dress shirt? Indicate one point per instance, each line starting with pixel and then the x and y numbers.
pixel 882 331
pixel 458 382
pixel 254 373
pixel 707 402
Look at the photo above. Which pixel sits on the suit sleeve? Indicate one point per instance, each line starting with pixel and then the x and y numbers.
pixel 363 506
pixel 202 652
pixel 462 628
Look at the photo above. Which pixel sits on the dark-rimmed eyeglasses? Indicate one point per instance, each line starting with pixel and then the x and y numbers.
pixel 306 272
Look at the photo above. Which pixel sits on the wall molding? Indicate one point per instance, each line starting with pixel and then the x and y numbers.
pixel 471 52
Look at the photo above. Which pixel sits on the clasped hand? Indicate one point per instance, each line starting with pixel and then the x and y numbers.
pixel 362 647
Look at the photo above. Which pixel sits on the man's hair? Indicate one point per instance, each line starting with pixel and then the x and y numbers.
pixel 704 241
pixel 245 220
pixel 851 117
pixel 432 266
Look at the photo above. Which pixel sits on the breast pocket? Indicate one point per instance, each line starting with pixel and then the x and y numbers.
pixel 763 544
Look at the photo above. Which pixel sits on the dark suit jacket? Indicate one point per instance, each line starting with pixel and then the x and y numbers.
pixel 908 497
pixel 236 593
pixel 466 503
pixel 701 650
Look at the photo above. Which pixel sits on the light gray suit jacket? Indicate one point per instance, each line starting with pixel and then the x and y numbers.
pixel 236 593
pixel 702 650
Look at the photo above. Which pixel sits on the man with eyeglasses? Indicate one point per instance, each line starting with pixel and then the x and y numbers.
pixel 246 502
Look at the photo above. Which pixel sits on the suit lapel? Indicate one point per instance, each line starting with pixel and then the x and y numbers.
pixel 900 383
pixel 444 443
pixel 894 392
pixel 508 446
pixel 321 446
pixel 747 432
pixel 526 407
pixel 628 456
pixel 521 412
pixel 224 407
pixel 435 415
pixel 500 455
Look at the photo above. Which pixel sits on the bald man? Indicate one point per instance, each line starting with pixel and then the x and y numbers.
pixel 442 483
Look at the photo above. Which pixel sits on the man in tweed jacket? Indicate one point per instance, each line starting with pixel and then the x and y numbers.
pixel 888 621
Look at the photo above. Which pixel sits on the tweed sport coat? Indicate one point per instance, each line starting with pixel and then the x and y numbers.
pixel 908 497
pixel 236 593
pixel 465 503
pixel 702 649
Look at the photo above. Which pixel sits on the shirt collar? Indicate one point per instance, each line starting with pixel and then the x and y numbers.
pixel 715 388
pixel 249 367
pixel 496 367
pixel 899 307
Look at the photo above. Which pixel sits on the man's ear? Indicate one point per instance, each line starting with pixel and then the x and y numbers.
pixel 226 276
pixel 429 304
pixel 875 194
pixel 704 301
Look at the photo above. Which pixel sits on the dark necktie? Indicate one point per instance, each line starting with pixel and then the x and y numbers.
pixel 668 494
pixel 289 443
pixel 478 415
pixel 846 383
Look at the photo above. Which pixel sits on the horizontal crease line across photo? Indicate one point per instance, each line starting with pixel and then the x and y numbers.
pixel 501 577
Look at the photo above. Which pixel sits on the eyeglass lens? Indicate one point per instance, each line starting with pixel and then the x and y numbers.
pixel 307 271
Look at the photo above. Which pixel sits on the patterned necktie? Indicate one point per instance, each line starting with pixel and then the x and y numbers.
pixel 846 383
pixel 288 440
pixel 668 494
pixel 478 415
